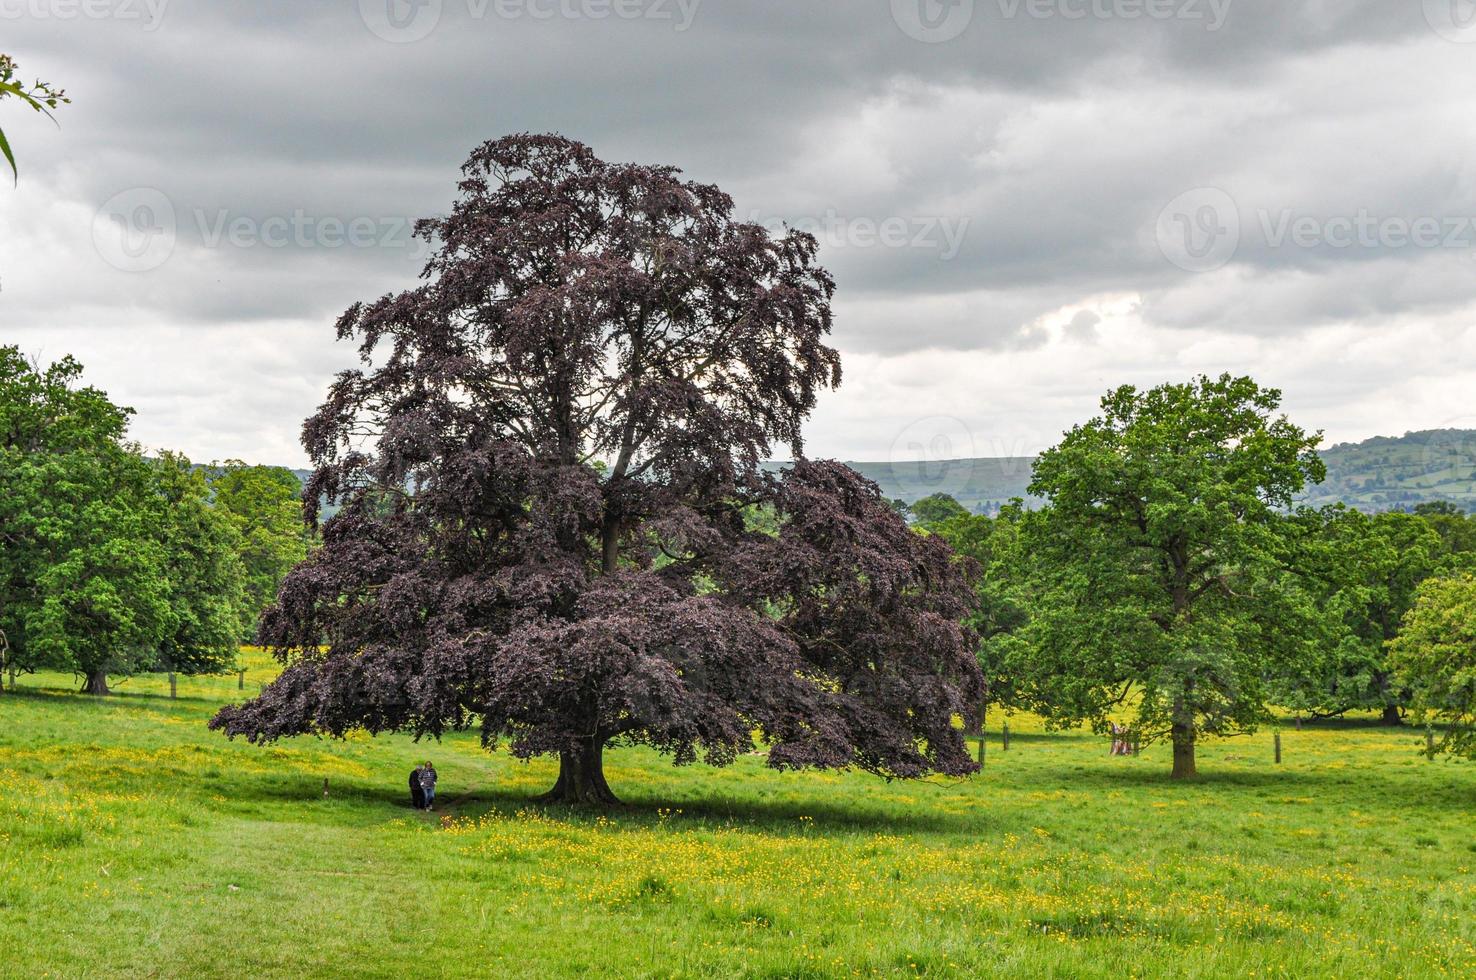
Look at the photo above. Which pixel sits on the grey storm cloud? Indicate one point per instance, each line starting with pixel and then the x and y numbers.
pixel 969 166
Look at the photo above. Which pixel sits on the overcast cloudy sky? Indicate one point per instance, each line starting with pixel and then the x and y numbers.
pixel 1024 202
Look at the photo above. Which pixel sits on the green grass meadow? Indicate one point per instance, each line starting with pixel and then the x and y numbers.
pixel 135 843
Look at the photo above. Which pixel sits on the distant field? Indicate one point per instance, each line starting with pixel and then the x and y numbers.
pixel 135 843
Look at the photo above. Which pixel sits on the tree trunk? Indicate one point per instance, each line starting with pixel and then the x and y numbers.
pixel 97 683
pixel 1391 715
pixel 582 777
pixel 610 545
pixel 1183 738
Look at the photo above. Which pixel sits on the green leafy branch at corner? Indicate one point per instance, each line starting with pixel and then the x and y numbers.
pixel 39 95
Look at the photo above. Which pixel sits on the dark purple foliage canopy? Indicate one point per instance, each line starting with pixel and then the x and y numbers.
pixel 548 466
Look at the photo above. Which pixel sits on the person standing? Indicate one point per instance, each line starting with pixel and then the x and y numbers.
pixel 428 784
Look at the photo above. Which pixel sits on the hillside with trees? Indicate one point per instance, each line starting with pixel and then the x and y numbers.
pixel 1378 474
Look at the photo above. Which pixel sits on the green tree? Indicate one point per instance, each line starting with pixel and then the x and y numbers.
pixel 207 577
pixel 936 508
pixel 1367 567
pixel 103 591
pixel 1165 546
pixel 39 95
pixel 1455 527
pixel 110 563
pixel 1435 655
pixel 1004 588
pixel 140 571
pixel 49 424
pixel 265 505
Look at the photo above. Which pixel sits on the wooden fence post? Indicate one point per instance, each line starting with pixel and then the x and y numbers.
pixel 240 680
pixel 1006 736
pixel 325 787
pixel 171 685
pixel 981 748
pixel 1278 748
pixel 1430 743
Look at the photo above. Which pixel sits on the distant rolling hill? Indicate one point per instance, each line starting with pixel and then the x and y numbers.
pixel 982 485
pixel 1389 472
pixel 1382 473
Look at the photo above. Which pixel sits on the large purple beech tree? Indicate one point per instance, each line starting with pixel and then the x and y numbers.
pixel 548 467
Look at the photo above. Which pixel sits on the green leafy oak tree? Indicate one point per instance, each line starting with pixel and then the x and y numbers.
pixel 103 590
pixel 141 572
pixel 1004 593
pixel 49 425
pixel 1164 551
pixel 265 504
pixel 936 508
pixel 110 563
pixel 1364 569
pixel 1455 527
pixel 207 576
pixel 1435 655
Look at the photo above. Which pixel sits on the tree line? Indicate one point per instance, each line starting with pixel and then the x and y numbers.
pixel 1169 578
pixel 112 562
